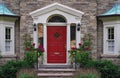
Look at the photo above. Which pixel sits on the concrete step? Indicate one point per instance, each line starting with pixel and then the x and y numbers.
pixel 55 66
pixel 57 70
pixel 55 73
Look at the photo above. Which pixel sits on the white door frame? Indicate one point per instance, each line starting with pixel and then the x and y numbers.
pixel 67 42
pixel 41 15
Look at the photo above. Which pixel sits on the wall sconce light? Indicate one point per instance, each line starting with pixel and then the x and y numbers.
pixel 78 26
pixel 34 27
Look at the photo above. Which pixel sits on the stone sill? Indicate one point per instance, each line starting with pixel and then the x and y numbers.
pixel 109 56
pixel 8 56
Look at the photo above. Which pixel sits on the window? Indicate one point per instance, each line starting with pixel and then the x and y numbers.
pixel 57 18
pixel 8 39
pixel 110 39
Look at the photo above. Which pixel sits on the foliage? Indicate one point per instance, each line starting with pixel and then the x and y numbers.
pixel 25 75
pixel 107 68
pixel 10 68
pixel 31 53
pixel 83 58
pixel 82 54
pixel 90 75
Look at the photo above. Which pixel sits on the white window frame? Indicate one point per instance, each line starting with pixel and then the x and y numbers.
pixel 4 25
pixel 106 40
pixel 116 27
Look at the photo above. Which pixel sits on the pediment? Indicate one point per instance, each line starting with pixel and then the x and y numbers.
pixel 56 6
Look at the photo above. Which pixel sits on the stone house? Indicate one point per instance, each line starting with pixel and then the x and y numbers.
pixel 50 22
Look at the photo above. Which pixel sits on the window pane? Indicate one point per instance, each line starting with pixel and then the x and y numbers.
pixel 40 34
pixel 111 33
pixel 111 46
pixel 7 33
pixel 73 35
pixel 57 18
pixel 73 32
pixel 7 46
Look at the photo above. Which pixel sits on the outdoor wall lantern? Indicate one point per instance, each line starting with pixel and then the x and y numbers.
pixel 78 26
pixel 34 27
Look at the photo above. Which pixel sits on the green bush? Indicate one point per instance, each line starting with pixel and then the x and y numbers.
pixel 11 67
pixel 106 68
pixel 83 58
pixel 30 58
pixel 90 75
pixel 25 75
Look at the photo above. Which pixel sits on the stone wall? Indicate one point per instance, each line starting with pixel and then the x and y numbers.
pixel 91 9
pixel 88 20
pixel 102 7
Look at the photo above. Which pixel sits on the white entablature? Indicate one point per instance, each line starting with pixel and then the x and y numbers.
pixel 71 15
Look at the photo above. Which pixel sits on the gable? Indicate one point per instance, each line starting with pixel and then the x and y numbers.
pixel 56 6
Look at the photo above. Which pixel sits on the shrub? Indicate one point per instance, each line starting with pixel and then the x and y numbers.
pixel 82 53
pixel 31 53
pixel 90 75
pixel 83 58
pixel 106 68
pixel 11 67
pixel 25 75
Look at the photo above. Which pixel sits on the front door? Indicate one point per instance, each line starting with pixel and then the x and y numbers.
pixel 56 44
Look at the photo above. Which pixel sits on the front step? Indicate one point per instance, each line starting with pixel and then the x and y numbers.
pixel 55 66
pixel 55 73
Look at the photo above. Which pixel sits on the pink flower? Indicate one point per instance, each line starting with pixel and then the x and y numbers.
pixel 40 47
pixel 80 44
pixel 73 48
pixel 27 49
pixel 33 44
pixel 87 48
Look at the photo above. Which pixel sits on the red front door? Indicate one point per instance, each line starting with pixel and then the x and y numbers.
pixel 56 44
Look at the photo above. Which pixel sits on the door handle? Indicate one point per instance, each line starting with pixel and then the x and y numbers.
pixel 56 53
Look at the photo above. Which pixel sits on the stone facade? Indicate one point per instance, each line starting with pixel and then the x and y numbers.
pixel 90 24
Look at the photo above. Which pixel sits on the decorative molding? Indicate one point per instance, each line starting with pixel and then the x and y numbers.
pixel 55 6
pixel 9 56
pixel 109 56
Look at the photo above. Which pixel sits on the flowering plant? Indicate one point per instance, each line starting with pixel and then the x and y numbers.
pixel 31 53
pixel 31 48
pixel 82 53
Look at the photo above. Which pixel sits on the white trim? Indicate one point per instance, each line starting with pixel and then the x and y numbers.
pixel 67 43
pixel 78 37
pixel 56 6
pixel 71 15
pixel 45 43
pixel 116 25
pixel 56 24
pixel 35 37
pixel 5 24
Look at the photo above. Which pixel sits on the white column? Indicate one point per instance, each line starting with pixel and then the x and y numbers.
pixel 68 41
pixel 35 36
pixel 78 37
pixel 45 42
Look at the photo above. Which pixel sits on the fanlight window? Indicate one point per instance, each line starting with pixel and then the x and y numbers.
pixel 57 19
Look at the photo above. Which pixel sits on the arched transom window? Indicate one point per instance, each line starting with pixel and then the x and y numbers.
pixel 57 18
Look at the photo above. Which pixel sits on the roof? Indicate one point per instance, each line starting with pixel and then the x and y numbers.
pixel 57 6
pixel 115 10
pixel 4 10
